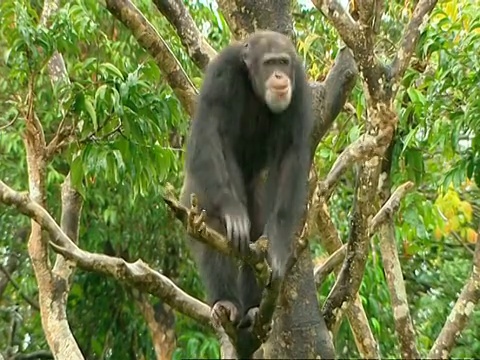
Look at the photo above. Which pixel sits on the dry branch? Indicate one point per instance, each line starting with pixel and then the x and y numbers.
pixel 155 45
pixel 328 266
pixel 53 312
pixel 246 16
pixel 362 149
pixel 178 15
pixel 390 207
pixel 384 221
pixel 137 274
pixel 398 293
pixel 461 312
pixel 194 221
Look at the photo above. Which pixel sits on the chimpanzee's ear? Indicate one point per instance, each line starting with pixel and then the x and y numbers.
pixel 245 55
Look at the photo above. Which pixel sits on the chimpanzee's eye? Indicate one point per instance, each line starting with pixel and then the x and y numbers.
pixel 270 62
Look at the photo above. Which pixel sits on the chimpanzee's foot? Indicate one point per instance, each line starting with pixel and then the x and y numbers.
pixel 249 319
pixel 224 310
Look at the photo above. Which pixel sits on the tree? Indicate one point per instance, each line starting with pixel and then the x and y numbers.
pixel 98 128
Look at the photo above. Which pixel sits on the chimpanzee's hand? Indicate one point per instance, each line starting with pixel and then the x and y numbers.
pixel 237 224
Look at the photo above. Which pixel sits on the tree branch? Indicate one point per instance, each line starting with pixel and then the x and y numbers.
pixel 383 220
pixel 197 228
pixel 350 277
pixel 328 266
pixel 461 312
pixel 245 16
pixel 410 37
pixel 364 339
pixel 160 320
pixel 194 221
pixel 137 274
pixel 329 97
pixel 347 27
pixel 156 46
pixel 362 149
pixel 398 293
pixel 178 15
pixel 390 207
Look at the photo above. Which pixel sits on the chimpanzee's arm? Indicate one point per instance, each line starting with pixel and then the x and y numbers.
pixel 289 191
pixel 211 162
pixel 212 166
pixel 287 187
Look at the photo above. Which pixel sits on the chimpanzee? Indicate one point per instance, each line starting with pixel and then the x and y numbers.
pixel 253 120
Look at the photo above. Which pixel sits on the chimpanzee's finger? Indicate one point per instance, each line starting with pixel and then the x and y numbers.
pixel 229 227
pixel 239 233
pixel 246 235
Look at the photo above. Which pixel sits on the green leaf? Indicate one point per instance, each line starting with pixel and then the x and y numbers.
pixel 100 94
pixel 416 96
pixel 112 69
pixel 91 112
pixel 77 175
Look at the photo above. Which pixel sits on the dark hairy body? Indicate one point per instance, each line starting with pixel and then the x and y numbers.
pixel 247 160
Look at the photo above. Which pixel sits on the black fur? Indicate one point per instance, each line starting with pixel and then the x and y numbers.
pixel 234 138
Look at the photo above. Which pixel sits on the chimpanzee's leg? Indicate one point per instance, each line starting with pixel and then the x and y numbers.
pixel 249 290
pixel 219 274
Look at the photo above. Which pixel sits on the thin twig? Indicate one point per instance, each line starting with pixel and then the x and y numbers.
pixel 30 301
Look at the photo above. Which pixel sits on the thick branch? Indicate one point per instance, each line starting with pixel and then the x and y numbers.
pixel 411 36
pixel 364 339
pixel 350 277
pixel 398 293
pixel 178 15
pixel 53 284
pixel 160 320
pixel 359 38
pixel 137 274
pixel 346 26
pixel 246 16
pixel 383 220
pixel 330 96
pixel 156 46
pixel 461 312
pixel 194 221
